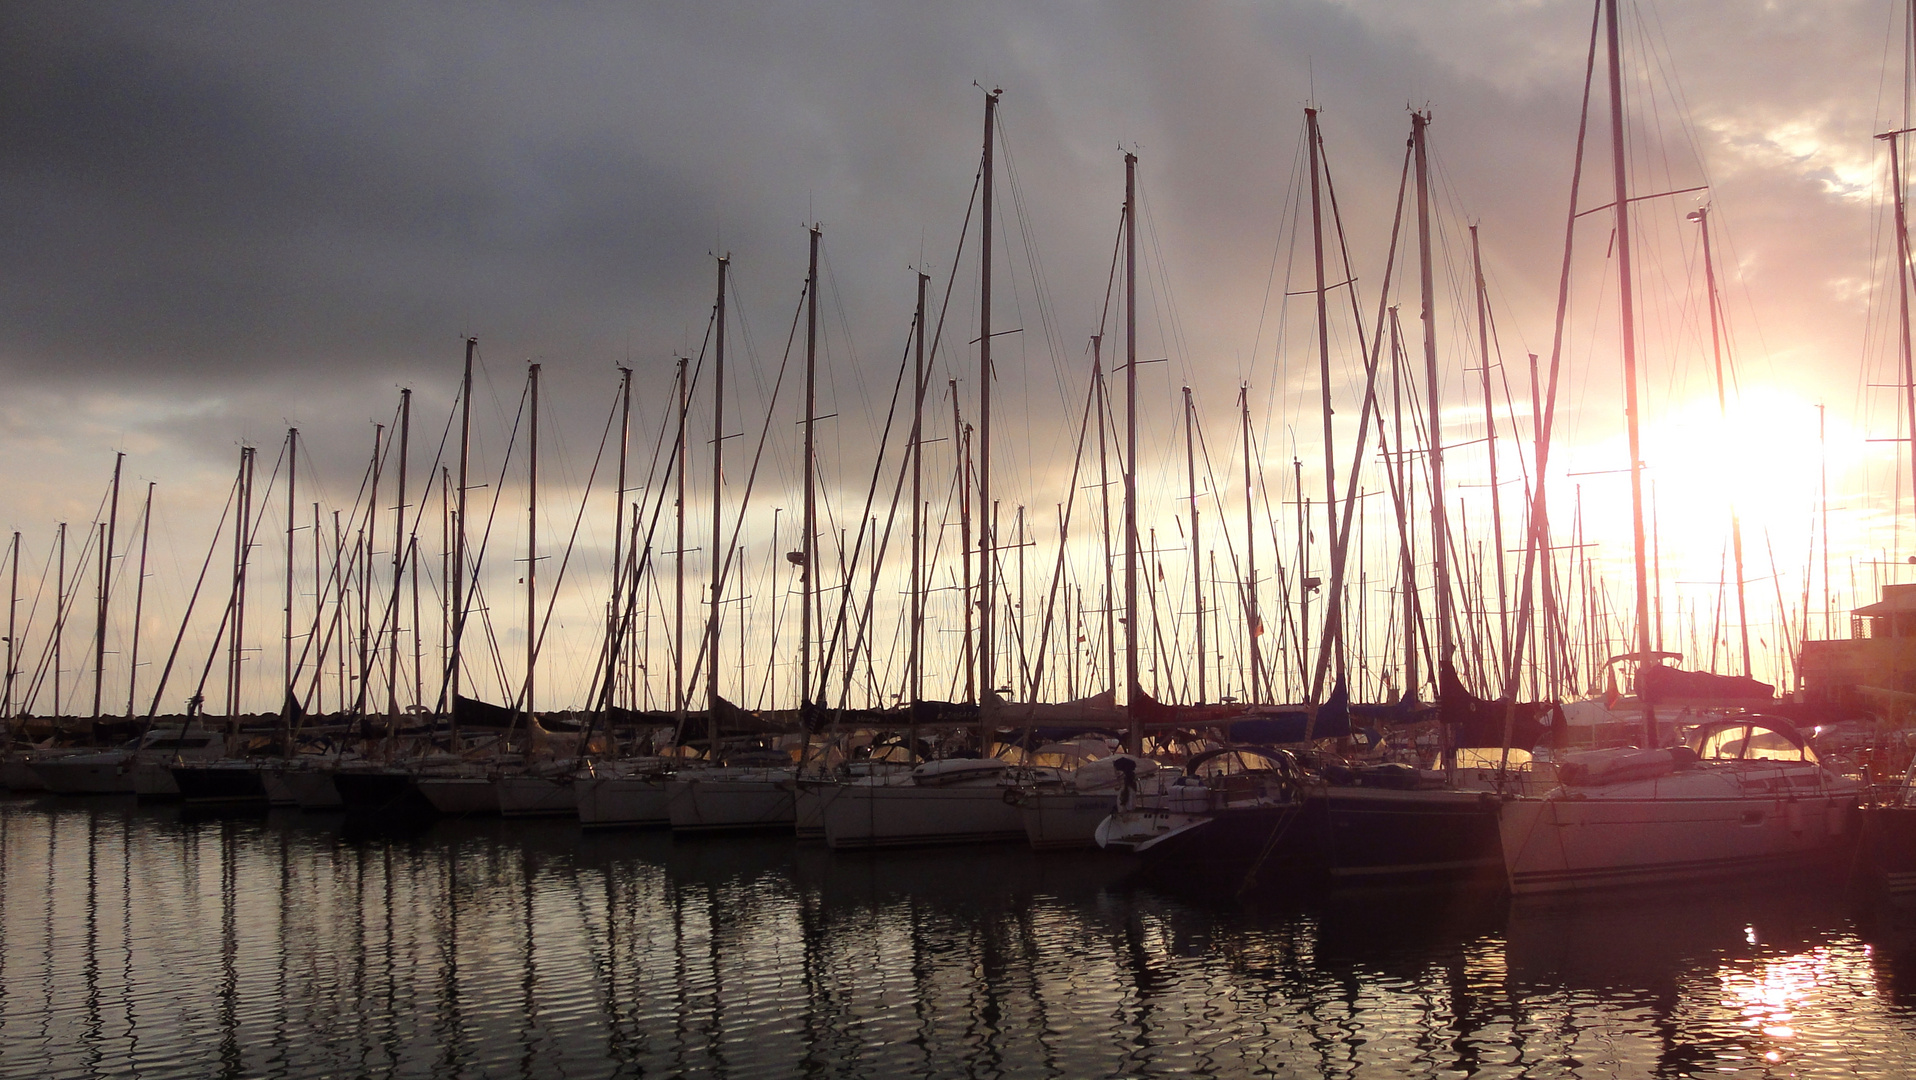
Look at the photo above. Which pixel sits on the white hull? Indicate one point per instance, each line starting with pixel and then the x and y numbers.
pixel 106 773
pixel 312 788
pixel 606 802
pixel 1065 819
pixel 1722 821
pixel 809 805
pixel 278 791
pixel 459 795
pixel 535 796
pixel 153 779
pixel 905 814
pixel 718 800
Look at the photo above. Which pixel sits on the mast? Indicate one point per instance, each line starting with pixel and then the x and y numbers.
pixel 459 547
pixel 1104 507
pixel 1701 216
pixel 532 544
pixel 1334 598
pixel 1439 528
pixel 987 532
pixel 1490 441
pixel 1908 356
pixel 914 675
pixel 1626 313
pixel 286 638
pixel 365 542
pixel 1197 585
pixel 399 558
pixel 59 616
pixel 1134 742
pixel 241 549
pixel 718 479
pixel 1413 615
pixel 1254 628
pixel 13 622
pixel 808 542
pixel 108 537
pixel 616 620
pixel 679 688
pixel 964 541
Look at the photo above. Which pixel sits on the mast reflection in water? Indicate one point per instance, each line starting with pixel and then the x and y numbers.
pixel 137 943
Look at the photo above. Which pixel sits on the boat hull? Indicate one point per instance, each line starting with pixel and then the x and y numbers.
pixel 1064 819
pixel 712 803
pixel 623 802
pixel 229 784
pixel 535 796
pixel 381 794
pixel 459 796
pixel 1564 844
pixel 108 773
pixel 1335 836
pixel 864 816
pixel 312 788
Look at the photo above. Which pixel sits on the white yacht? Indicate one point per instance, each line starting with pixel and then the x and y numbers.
pixel 1746 795
pixel 116 771
pixel 950 801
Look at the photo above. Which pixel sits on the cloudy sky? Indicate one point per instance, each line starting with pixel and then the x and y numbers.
pixel 222 220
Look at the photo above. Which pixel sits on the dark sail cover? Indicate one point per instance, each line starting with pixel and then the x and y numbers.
pixel 473 713
pixel 1477 723
pixel 1656 683
pixel 1275 725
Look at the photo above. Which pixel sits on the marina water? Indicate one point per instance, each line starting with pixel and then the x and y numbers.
pixel 143 941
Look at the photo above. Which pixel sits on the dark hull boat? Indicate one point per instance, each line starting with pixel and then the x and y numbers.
pixel 230 783
pixel 1379 829
pixel 382 795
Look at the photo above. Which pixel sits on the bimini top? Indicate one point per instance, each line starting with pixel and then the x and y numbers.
pixel 1751 737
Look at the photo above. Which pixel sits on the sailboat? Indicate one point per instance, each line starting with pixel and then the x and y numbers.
pixel 955 799
pixel 1743 794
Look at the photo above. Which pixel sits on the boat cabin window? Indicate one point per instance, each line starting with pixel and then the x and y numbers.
pixel 1748 742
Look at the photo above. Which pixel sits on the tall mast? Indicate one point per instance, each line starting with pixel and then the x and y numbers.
pixel 987 533
pixel 13 622
pixel 1104 506
pixel 109 537
pixel 963 434
pixel 616 620
pixel 1490 441
pixel 808 542
pixel 1334 598
pixel 1627 316
pixel 399 557
pixel 1894 139
pixel 286 637
pixel 532 543
pixel 459 547
pixel 1412 615
pixel 365 543
pixel 914 677
pixel 1197 584
pixel 59 616
pixel 718 479
pixel 1135 737
pixel 292 465
pixel 1540 530
pixel 679 688
pixel 1439 528
pixel 1253 628
pixel 1701 216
